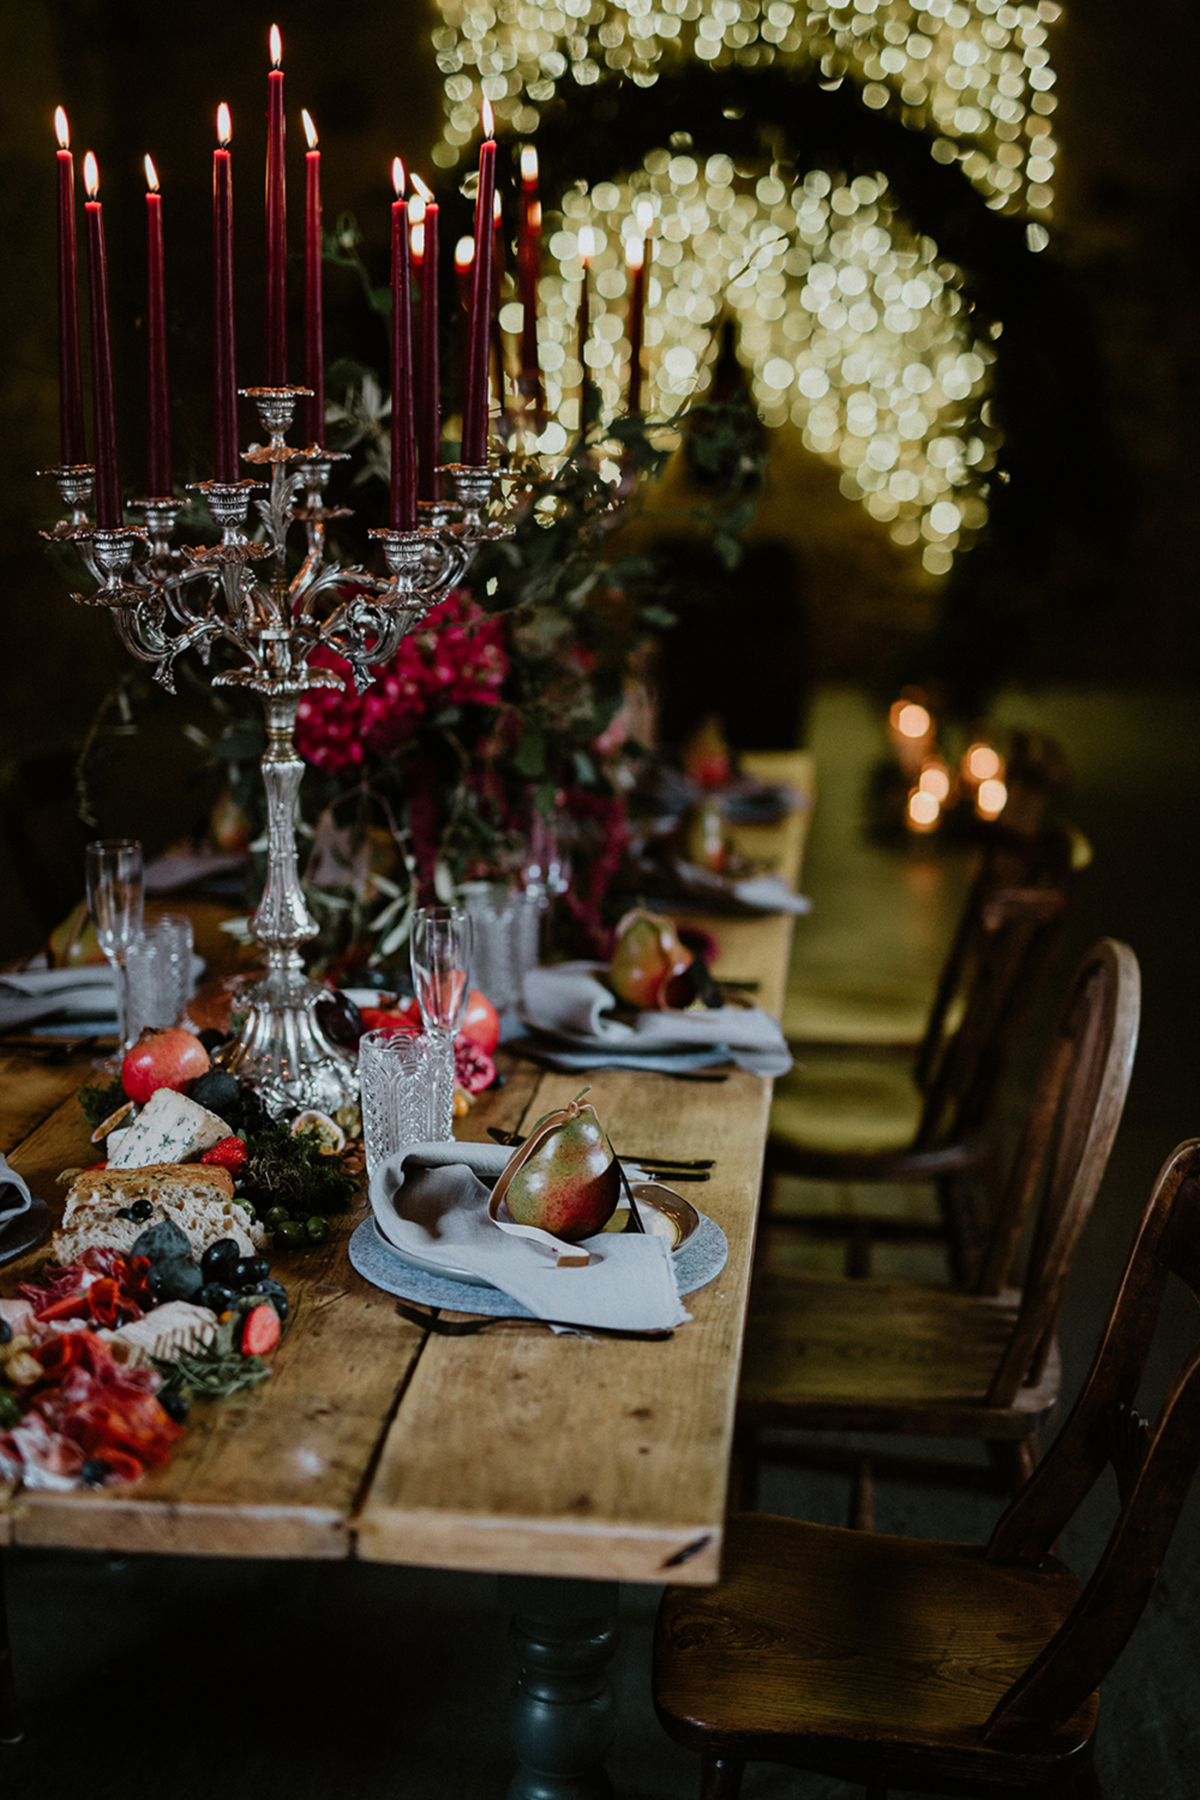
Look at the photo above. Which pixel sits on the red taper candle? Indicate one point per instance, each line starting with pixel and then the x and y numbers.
pixel 72 441
pixel 225 458
pixel 404 445
pixel 635 259
pixel 464 262
pixel 583 323
pixel 494 332
pixel 429 415
pixel 104 411
pixel 158 456
pixel 314 326
pixel 276 346
pixel 529 274
pixel 475 392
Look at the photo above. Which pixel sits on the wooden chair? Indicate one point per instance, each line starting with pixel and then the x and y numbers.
pixel 933 1361
pixel 941 1667
pixel 934 1121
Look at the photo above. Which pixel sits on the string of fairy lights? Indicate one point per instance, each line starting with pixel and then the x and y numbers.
pixel 850 324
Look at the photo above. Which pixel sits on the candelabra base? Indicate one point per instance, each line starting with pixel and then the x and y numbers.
pixel 282 1051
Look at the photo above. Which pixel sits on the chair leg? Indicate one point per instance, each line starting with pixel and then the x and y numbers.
pixel 862 1498
pixel 720 1777
pixel 744 1467
pixel 1014 1460
pixel 11 1729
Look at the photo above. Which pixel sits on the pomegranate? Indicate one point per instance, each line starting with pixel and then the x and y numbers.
pixel 474 1069
pixel 481 1021
pixel 162 1059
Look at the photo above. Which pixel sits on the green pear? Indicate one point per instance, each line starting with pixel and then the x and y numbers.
pixel 565 1179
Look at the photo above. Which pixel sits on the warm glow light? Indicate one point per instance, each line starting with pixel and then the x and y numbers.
pixel 535 215
pixel 416 234
pixel 91 176
pixel 489 118
pixel 62 130
pixel 644 214
pixel 982 763
pixel 398 177
pixel 635 255
pixel 464 253
pixel 587 243
pixel 224 126
pixel 276 47
pixel 924 810
pixel 935 779
pixel 151 174
pixel 529 164
pixel 497 211
pixel 424 192
pixel 310 130
pixel 910 720
pixel 991 798
pixel 416 213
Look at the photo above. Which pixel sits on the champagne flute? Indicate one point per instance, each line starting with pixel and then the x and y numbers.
pixel 115 896
pixel 440 949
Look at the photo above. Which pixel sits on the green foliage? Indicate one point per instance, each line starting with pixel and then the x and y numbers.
pixel 99 1101
pixel 288 1171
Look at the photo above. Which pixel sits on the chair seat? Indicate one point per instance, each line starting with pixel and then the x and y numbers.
pixel 847 1107
pixel 883 1356
pixel 879 1012
pixel 824 1647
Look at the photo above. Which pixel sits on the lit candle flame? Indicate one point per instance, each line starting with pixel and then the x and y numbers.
pixel 224 126
pixel 310 130
pixel 424 192
pixel 416 237
pixel 61 129
pixel 489 119
pixel 644 213
pixel 151 174
pixel 464 253
pixel 496 209
pixel 535 215
pixel 276 47
pixel 529 164
pixel 587 243
pixel 398 177
pixel 416 213
pixel 635 255
pixel 91 176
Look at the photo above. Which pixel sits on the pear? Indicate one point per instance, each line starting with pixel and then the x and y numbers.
pixel 646 958
pixel 564 1179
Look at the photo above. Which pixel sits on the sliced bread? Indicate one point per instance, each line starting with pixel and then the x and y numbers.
pixel 197 1198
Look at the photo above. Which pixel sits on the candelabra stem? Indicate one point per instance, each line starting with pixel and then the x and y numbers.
pixel 280 1048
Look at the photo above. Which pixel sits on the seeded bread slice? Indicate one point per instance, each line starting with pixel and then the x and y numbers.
pixel 197 1198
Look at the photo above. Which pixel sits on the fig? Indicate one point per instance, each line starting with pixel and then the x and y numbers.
pixel 647 957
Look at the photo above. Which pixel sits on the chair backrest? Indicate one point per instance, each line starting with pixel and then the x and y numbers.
pixel 1009 934
pixel 1153 1467
pixel 1076 1109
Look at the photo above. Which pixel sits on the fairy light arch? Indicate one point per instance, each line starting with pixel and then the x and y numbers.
pixel 851 322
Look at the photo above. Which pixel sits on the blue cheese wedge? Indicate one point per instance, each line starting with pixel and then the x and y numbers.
pixel 169 1129
pixel 166 1332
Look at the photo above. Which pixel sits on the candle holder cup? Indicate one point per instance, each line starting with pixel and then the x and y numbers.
pixel 166 600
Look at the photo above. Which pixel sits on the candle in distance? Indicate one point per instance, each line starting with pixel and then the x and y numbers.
pixel 72 446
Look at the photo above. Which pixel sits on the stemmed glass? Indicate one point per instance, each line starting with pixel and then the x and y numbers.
pixel 115 895
pixel 440 949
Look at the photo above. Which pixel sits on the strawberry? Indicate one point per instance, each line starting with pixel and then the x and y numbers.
pixel 231 1153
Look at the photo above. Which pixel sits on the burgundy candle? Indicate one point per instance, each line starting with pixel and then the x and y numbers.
pixel 225 461
pixel 587 246
pixel 404 444
pixel 276 222
pixel 314 330
pixel 72 441
pixel 635 258
pixel 497 340
pixel 475 395
pixel 529 271
pixel 464 259
pixel 104 411
pixel 158 460
pixel 416 232
pixel 429 418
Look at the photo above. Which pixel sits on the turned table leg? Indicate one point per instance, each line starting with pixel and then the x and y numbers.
pixel 11 1731
pixel 561 1716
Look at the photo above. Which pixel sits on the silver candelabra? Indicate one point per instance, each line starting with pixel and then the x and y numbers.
pixel 165 599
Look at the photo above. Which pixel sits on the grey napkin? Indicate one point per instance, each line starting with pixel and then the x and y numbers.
pixel 15 1197
pixel 756 894
pixel 432 1199
pixel 572 1005
pixel 85 995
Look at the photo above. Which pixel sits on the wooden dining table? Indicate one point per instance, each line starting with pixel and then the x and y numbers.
pixel 564 1464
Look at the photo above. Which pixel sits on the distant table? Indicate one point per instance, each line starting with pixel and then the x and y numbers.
pixel 589 1460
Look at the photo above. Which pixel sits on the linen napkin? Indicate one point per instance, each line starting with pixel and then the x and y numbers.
pixel 572 1005
pixel 84 994
pixel 15 1197
pixel 717 893
pixel 432 1199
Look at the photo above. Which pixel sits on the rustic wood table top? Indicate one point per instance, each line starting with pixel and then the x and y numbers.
pixel 514 1451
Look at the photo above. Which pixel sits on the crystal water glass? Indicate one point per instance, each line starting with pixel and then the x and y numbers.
pixel 159 973
pixel 440 951
pixel 115 895
pixel 407 1087
pixel 505 926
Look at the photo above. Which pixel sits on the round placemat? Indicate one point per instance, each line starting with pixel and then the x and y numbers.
pixel 699 1262
pixel 25 1231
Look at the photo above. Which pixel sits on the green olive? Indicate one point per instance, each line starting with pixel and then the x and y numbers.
pixel 317 1229
pixel 289 1233
pixel 276 1216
